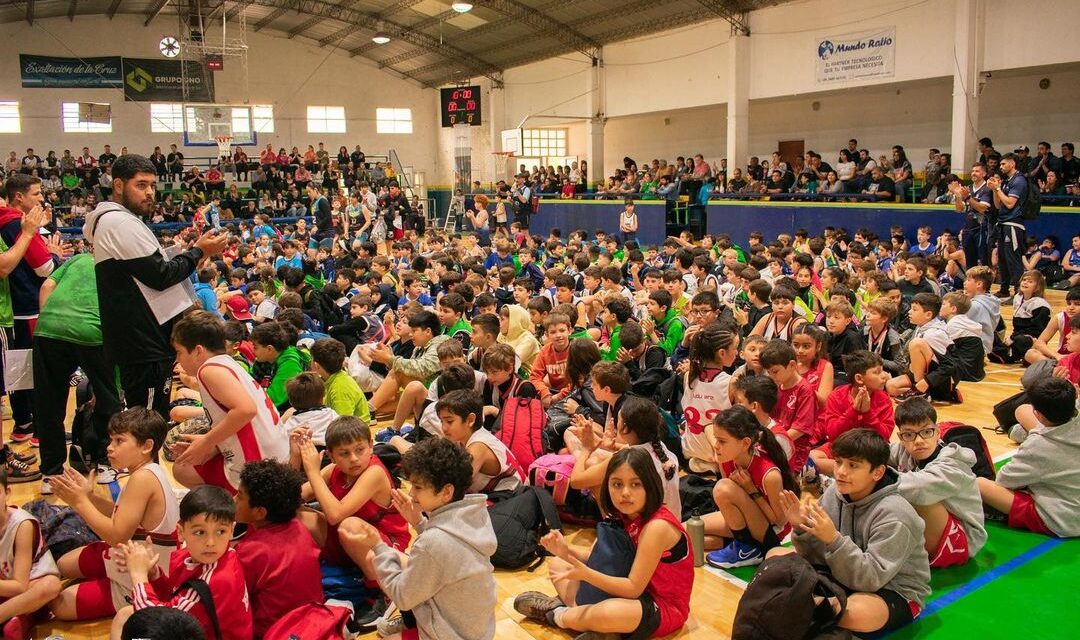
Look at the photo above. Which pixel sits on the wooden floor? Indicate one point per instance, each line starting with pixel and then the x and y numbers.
pixel 714 598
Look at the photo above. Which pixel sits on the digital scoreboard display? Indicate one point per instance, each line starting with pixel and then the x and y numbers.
pixel 460 105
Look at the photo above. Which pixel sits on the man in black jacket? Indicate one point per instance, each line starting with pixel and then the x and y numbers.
pixel 324 216
pixel 135 282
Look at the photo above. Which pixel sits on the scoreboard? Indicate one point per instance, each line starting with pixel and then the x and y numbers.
pixel 460 105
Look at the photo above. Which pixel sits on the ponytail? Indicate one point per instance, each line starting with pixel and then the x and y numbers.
pixel 704 345
pixel 740 423
pixel 643 419
pixel 661 455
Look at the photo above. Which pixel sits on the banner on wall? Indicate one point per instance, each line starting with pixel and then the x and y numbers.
pixel 856 56
pixel 149 80
pixel 50 72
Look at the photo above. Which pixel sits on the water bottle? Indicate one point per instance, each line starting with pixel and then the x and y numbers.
pixel 695 528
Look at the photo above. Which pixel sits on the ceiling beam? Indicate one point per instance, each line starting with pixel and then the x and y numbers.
pixel 392 10
pixel 543 24
pixel 113 7
pixel 236 9
pixel 72 5
pixel 270 17
pixel 730 11
pixel 155 11
pixel 418 26
pixel 30 11
pixel 302 27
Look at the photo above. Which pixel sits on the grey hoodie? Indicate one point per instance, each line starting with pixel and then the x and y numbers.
pixel 947 479
pixel 448 582
pixel 880 545
pixel 986 310
pixel 1047 465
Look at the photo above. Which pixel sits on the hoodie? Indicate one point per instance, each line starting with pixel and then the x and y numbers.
pixel 880 545
pixel 946 478
pixel 448 582
pixel 986 310
pixel 519 335
pixel 126 254
pixel 847 341
pixel 29 274
pixel 1047 467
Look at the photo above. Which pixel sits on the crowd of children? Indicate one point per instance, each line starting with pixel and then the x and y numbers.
pixel 760 369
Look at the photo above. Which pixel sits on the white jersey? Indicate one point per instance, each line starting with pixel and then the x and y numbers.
pixel 775 330
pixel 263 438
pixel 317 419
pixel 429 419
pixel 43 564
pixel 672 499
pixel 701 402
pixel 510 473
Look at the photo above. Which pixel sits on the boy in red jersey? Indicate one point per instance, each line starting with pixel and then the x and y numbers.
pixel 796 402
pixel 206 563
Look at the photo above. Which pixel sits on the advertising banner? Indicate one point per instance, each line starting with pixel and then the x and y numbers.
pixel 857 56
pixel 49 72
pixel 149 80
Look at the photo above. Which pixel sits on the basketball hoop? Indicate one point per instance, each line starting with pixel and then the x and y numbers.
pixel 224 145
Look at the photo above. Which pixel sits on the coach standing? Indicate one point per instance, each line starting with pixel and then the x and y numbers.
pixel 133 274
pixel 1009 195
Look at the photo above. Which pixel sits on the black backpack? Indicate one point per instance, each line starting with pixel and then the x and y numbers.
pixel 1032 205
pixel 787 583
pixel 519 521
pixel 696 494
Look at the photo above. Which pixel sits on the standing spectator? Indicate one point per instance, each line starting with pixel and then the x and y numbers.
pixel 324 216
pixel 1009 197
pixel 975 203
pixel 24 196
pixel 175 163
pixel 521 196
pixel 67 336
pixel 1070 164
pixel 107 158
pixel 131 270
pixel 160 163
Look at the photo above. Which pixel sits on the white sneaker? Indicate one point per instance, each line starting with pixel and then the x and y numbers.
pixel 106 475
pixel 46 487
pixel 1018 434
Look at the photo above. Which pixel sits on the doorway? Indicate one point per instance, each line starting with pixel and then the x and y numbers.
pixel 791 149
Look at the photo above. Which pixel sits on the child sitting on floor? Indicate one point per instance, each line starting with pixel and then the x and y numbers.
pixel 27 569
pixel 937 480
pixel 861 404
pixel 306 396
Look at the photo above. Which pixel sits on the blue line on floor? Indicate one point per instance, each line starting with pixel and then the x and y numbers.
pixel 981 581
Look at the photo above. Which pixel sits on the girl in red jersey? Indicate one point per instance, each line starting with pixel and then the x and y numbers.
pixel 754 472
pixel 654 599
pixel 355 485
pixel 810 342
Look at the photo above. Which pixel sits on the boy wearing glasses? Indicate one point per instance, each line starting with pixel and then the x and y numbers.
pixel 936 478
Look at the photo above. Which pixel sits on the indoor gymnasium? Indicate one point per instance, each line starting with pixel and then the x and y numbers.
pixel 583 319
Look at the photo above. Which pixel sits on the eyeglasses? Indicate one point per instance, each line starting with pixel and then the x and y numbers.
pixel 925 434
pixel 701 312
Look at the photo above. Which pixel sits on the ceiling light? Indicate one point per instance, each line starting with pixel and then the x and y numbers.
pixel 380 38
pixel 461 7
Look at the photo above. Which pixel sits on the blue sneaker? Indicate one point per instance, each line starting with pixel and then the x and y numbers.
pixel 406 429
pixel 736 554
pixel 384 435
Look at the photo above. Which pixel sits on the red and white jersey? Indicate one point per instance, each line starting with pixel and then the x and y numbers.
pixel 510 474
pixel 702 401
pixel 262 438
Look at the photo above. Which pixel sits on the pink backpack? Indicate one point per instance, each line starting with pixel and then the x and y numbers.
pixel 312 621
pixel 552 472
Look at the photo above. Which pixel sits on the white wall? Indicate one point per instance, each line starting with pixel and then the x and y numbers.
pixel 290 74
pixel 1026 34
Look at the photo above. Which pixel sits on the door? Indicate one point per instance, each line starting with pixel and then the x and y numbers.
pixel 791 149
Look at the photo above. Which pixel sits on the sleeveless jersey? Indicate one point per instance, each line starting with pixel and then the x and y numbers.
pixel 510 475
pixel 673 579
pixel 707 397
pixel 774 330
pixel 1065 330
pixel 392 526
pixel 43 563
pixel 672 497
pixel 760 466
pixel 262 438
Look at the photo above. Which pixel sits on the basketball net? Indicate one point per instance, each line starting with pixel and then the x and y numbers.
pixel 224 145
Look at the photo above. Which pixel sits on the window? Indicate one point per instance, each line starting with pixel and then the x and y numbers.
pixel 393 120
pixel 9 117
pixel 262 118
pixel 86 117
pixel 543 142
pixel 167 117
pixel 241 120
pixel 326 119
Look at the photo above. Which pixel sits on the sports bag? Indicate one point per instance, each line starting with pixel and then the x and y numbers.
pixel 520 427
pixel 972 439
pixel 696 493
pixel 62 528
pixel 1032 205
pixel 519 521
pixel 311 621
pixel 612 555
pixel 787 584
pixel 552 473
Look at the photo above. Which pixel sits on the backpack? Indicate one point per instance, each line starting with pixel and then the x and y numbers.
pixel 970 438
pixel 787 583
pixel 311 621
pixel 696 494
pixel 519 521
pixel 520 427
pixel 551 472
pixel 61 528
pixel 391 459
pixel 1032 204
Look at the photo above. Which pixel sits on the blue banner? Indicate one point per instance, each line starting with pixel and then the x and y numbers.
pixel 70 73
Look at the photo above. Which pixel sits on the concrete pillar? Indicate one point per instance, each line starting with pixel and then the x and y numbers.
pixel 738 102
pixel 594 126
pixel 967 77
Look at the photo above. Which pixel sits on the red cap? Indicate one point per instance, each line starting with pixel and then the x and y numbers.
pixel 238 308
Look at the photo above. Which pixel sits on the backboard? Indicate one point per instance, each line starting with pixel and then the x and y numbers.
pixel 203 123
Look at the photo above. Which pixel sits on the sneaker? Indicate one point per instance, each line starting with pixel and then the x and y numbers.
pixel 406 429
pixel 28 457
pixel 35 443
pixel 1018 434
pixel 1003 294
pixel 106 475
pixel 384 435
pixel 46 487
pixel 19 472
pixel 19 628
pixel 365 621
pixel 390 627
pixel 22 433
pixel 913 393
pixel 736 554
pixel 537 606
